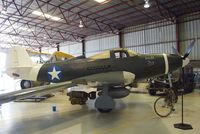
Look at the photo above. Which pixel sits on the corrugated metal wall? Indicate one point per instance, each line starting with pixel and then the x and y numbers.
pixel 73 49
pixel 188 31
pixel 92 47
pixel 101 44
pixel 150 39
pixel 157 37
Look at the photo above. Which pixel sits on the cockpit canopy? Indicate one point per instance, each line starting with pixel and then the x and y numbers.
pixel 115 53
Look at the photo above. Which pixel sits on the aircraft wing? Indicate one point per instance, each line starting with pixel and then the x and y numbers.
pixel 41 90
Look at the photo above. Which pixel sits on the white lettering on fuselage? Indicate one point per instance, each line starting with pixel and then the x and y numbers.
pixel 149 57
pixel 150 60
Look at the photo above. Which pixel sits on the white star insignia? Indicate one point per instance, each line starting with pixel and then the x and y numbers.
pixel 54 74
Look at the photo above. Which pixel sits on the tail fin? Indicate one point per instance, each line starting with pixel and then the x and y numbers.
pixel 19 64
pixel 18 57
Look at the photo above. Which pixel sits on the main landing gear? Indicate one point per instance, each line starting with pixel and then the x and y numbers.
pixel 104 103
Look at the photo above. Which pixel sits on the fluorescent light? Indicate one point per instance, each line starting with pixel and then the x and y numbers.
pixel 102 1
pixel 55 18
pixel 25 29
pixel 48 16
pixel 146 5
pixel 37 13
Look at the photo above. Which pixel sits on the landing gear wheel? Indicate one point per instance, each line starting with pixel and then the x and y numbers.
pixel 25 84
pixel 104 110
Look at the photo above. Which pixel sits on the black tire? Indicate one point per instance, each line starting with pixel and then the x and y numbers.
pixel 23 82
pixel 156 107
pixel 104 110
pixel 152 92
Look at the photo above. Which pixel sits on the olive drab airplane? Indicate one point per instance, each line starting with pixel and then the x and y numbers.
pixel 110 72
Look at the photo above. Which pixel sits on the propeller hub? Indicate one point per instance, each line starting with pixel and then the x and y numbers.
pixel 185 62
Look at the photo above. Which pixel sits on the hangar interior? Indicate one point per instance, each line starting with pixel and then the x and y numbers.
pixel 86 28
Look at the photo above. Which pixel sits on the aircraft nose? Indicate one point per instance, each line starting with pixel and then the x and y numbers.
pixel 185 62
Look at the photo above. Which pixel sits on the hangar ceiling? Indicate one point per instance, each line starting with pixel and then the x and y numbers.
pixel 45 23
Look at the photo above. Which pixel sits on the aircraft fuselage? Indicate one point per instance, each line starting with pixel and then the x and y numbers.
pixel 142 66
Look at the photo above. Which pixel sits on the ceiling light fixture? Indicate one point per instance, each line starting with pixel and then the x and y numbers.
pixel 45 37
pixel 55 18
pixel 48 16
pixel 4 10
pixel 81 24
pixel 146 5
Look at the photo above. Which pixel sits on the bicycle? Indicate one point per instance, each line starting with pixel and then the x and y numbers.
pixel 164 105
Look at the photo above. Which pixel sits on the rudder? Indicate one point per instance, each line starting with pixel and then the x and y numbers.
pixel 18 57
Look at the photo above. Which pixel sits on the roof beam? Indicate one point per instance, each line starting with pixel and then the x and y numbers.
pixel 39 26
pixel 139 10
pixel 83 16
pixel 171 16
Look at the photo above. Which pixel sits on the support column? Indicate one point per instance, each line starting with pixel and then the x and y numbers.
pixel 40 51
pixel 83 47
pixel 121 39
pixel 58 47
pixel 177 36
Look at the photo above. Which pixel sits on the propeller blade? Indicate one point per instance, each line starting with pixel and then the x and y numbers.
pixel 175 51
pixel 189 49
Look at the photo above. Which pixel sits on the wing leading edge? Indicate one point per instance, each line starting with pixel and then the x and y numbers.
pixel 41 90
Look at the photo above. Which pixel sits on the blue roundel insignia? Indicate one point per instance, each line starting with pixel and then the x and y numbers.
pixel 54 73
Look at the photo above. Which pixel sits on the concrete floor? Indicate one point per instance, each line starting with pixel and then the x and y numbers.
pixel 133 115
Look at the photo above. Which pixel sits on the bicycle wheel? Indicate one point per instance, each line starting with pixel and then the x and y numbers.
pixel 161 107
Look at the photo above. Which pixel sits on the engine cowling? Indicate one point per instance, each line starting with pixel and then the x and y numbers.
pixel 28 84
pixel 117 92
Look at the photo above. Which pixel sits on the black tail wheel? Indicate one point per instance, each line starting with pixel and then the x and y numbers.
pixel 25 84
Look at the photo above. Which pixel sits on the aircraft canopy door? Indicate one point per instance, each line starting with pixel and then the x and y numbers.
pixel 119 54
